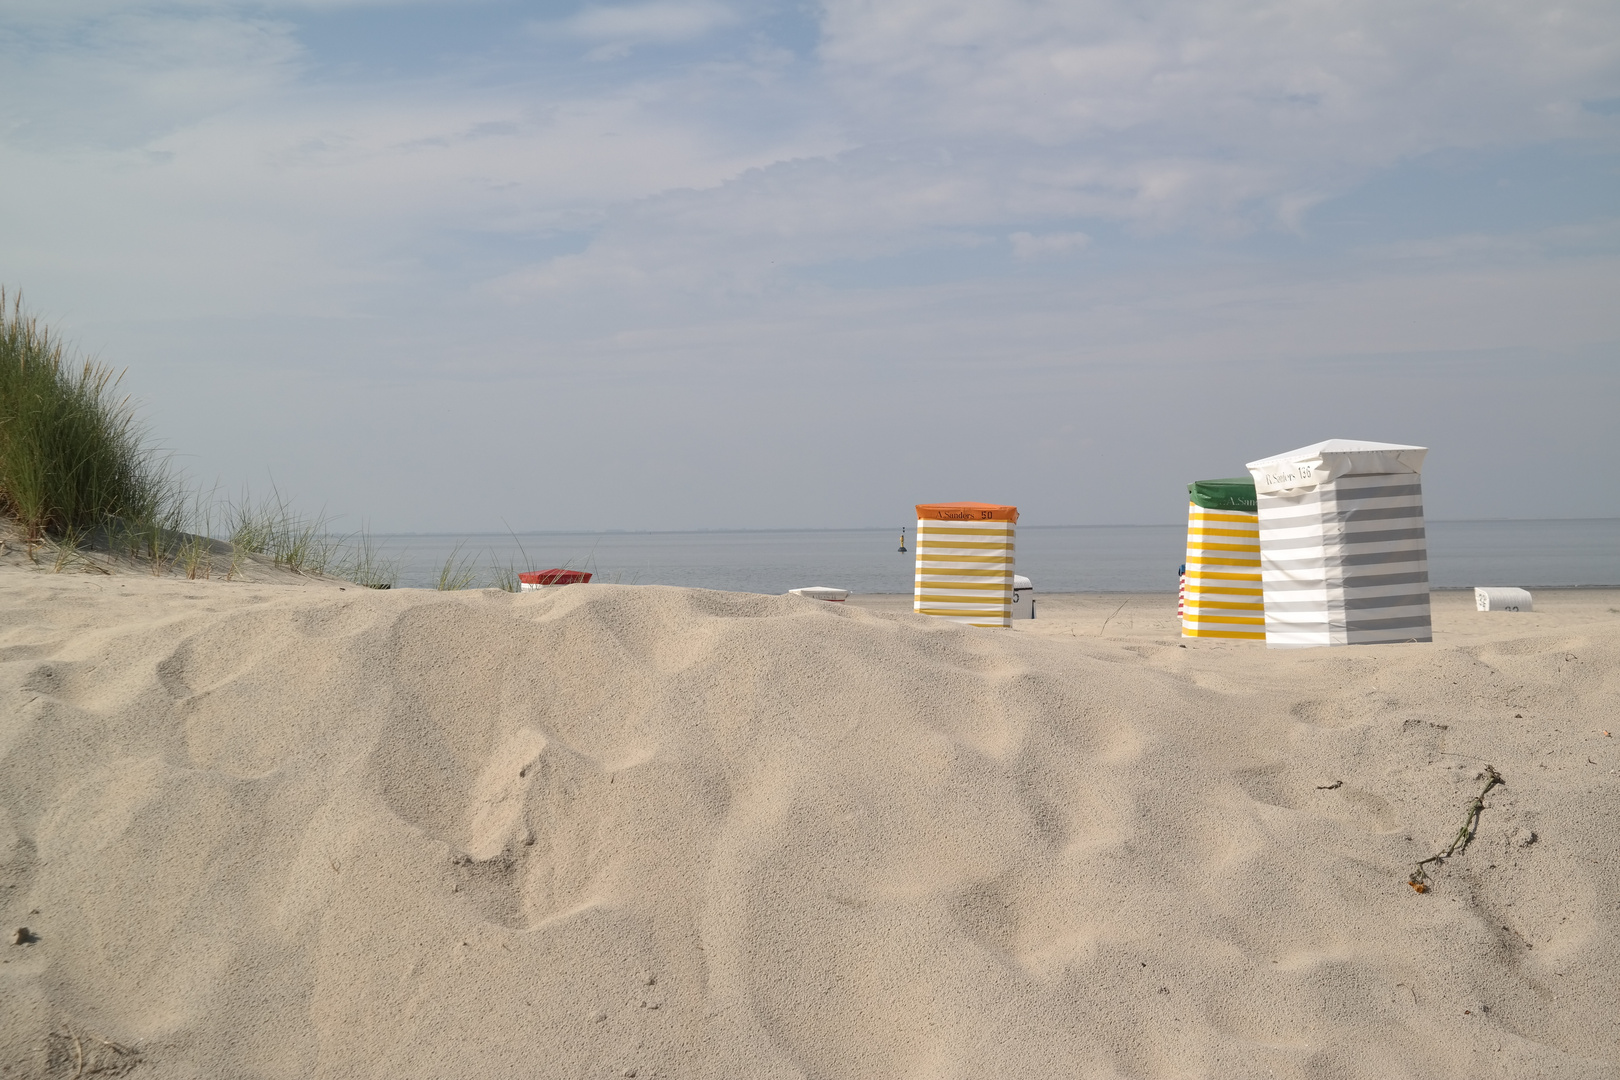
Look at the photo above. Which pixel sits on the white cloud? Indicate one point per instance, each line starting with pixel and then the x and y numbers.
pixel 1301 98
pixel 1047 245
pixel 659 21
pixel 129 77
pixel 920 124
pixel 1212 118
pixel 145 153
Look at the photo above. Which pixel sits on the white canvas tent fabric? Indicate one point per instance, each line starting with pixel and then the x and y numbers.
pixel 1343 553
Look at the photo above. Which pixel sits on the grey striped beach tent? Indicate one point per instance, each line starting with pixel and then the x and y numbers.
pixel 1343 555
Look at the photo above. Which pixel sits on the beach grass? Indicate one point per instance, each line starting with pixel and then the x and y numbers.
pixel 457 572
pixel 506 576
pixel 77 474
pixel 72 453
pixel 362 562
pixel 271 526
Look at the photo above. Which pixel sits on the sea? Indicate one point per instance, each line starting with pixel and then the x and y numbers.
pixel 1056 558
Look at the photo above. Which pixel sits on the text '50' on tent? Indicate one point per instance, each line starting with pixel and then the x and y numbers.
pixel 965 562
pixel 1343 553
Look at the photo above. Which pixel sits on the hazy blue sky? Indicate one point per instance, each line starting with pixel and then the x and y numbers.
pixel 690 263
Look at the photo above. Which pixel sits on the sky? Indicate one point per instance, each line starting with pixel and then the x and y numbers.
pixel 685 264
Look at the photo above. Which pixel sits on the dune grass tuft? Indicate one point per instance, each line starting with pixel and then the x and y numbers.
pixel 363 563
pixel 71 452
pixel 272 527
pixel 76 474
pixel 457 572
pixel 506 576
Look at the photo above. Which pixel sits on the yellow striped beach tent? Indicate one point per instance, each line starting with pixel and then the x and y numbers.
pixel 1223 592
pixel 965 562
pixel 1344 556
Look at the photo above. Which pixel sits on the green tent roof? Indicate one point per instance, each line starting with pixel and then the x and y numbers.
pixel 1233 494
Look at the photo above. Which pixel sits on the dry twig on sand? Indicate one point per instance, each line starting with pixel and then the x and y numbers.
pixel 67 1051
pixel 1419 879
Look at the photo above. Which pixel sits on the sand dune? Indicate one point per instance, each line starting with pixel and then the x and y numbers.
pixel 637 831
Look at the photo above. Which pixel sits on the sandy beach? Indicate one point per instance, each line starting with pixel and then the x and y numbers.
pixel 297 829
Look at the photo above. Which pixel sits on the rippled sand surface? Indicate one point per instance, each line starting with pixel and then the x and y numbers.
pixel 272 831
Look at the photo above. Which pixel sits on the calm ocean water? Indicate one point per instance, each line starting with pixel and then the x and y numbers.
pixel 1124 558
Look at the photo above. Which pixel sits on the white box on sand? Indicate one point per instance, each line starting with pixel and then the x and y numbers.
pixel 1024 589
pixel 1499 599
pixel 821 592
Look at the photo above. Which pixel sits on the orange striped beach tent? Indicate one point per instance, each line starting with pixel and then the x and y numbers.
pixel 965 554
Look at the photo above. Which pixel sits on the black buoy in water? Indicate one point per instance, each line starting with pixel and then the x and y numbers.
pixel 902 539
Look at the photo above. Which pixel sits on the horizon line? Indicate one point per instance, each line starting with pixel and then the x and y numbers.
pixel 890 528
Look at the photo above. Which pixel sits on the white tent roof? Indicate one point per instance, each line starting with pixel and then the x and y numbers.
pixel 1323 462
pixel 1333 446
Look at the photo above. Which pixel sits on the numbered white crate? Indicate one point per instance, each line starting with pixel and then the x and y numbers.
pixel 1500 599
